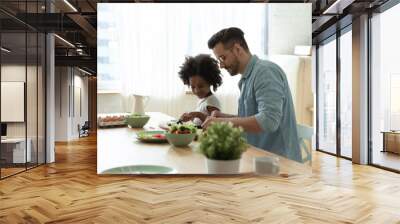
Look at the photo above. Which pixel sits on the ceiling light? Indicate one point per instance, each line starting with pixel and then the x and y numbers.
pixel 5 50
pixel 333 6
pixel 65 41
pixel 84 71
pixel 338 6
pixel 70 5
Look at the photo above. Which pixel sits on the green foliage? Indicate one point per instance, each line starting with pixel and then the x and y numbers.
pixel 182 127
pixel 222 141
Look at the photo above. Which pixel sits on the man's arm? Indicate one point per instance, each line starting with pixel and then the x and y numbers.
pixel 249 124
pixel 220 114
pixel 270 98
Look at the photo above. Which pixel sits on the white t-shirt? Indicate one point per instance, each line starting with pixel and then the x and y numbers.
pixel 210 101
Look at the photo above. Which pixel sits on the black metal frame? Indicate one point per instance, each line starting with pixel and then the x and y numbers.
pixel 338 97
pixel 0 92
pixel 369 90
pixel 44 75
pixel 389 4
pixel 339 32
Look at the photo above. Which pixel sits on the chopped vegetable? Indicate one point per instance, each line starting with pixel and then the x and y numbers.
pixel 159 136
pixel 182 129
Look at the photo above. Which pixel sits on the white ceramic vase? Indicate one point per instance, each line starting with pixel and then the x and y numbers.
pixel 139 104
pixel 223 166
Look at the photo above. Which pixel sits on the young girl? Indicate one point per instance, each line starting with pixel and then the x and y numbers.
pixel 200 73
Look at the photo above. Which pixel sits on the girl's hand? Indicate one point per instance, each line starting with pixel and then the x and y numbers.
pixel 216 113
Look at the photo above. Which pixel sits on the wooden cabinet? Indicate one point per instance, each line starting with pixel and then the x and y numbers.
pixel 391 142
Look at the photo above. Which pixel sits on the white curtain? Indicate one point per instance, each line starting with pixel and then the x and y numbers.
pixel 147 43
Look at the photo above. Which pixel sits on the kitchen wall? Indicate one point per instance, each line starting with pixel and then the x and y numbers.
pixel 297 69
pixel 116 103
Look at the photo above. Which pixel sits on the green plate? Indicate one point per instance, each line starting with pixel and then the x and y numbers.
pixel 147 136
pixel 140 169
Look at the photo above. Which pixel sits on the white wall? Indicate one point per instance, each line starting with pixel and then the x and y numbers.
pixel 61 103
pixel 288 27
pixel 33 127
pixel 69 85
pixel 17 73
pixel 110 103
pixel 79 117
pixel 116 103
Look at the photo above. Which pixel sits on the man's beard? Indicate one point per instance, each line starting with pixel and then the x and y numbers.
pixel 234 68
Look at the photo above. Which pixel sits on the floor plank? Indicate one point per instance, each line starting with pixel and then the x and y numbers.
pixel 70 191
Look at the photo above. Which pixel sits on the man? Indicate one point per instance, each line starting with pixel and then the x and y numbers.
pixel 266 110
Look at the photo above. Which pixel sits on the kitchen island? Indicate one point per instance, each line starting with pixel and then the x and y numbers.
pixel 117 147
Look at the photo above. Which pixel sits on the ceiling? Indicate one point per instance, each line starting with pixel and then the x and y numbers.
pixel 76 20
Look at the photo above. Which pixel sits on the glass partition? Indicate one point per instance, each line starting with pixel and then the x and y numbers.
pixel 32 96
pixel 22 88
pixel 13 103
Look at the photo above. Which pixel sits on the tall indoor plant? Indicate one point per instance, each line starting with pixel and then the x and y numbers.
pixel 223 145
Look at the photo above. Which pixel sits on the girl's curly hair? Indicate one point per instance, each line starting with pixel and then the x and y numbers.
pixel 204 66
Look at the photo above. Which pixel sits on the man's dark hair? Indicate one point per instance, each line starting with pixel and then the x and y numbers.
pixel 204 66
pixel 228 37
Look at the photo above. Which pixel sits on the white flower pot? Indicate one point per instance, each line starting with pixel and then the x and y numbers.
pixel 223 166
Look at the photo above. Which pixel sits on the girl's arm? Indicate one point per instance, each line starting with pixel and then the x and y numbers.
pixel 211 109
pixel 202 116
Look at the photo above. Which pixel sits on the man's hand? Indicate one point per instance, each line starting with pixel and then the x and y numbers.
pixel 209 120
pixel 186 117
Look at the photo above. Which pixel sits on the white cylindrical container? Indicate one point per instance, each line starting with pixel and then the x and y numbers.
pixel 223 166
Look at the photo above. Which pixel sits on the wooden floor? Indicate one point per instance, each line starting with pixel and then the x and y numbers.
pixel 10 171
pixel 387 159
pixel 70 191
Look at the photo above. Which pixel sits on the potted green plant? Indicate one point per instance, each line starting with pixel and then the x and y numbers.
pixel 223 144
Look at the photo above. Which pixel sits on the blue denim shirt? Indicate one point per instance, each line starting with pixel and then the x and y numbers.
pixel 265 94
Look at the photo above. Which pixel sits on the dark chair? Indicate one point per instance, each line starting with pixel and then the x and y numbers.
pixel 84 130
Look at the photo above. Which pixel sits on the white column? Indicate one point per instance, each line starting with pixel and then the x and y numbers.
pixel 50 92
pixel 360 90
pixel 50 100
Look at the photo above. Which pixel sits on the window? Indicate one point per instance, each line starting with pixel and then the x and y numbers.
pixel 142 46
pixel 327 97
pixel 385 88
pixel 346 94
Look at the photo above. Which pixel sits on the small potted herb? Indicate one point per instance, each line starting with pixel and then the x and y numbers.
pixel 223 145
